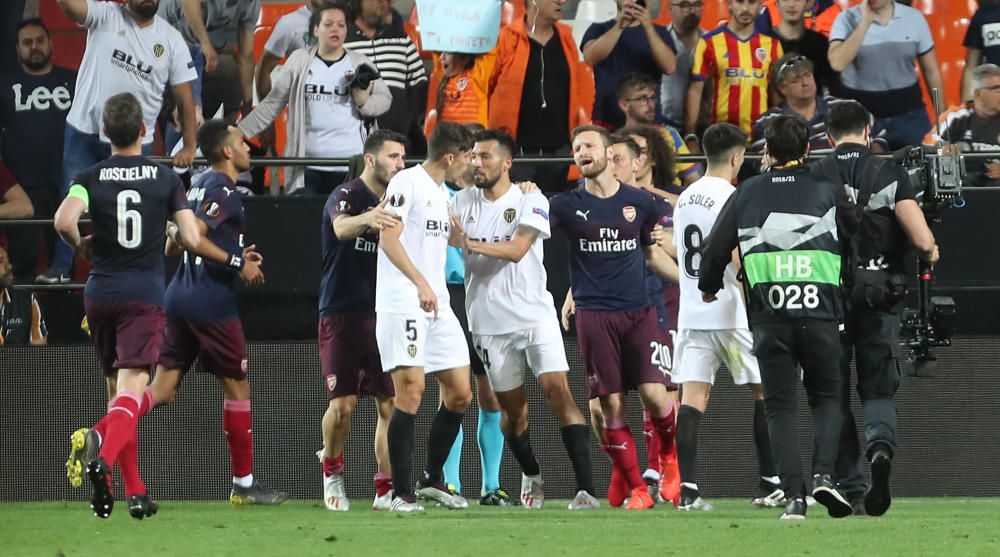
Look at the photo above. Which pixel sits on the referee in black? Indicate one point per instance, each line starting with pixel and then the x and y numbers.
pixel 786 225
pixel 890 220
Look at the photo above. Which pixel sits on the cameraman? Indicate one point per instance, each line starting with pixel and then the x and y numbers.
pixel 332 95
pixel 888 215
pixel 787 224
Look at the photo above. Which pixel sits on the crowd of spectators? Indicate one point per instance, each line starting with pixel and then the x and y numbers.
pixel 359 68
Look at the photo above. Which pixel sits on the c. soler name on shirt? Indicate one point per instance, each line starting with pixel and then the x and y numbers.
pixel 703 200
pixel 609 242
pixel 130 174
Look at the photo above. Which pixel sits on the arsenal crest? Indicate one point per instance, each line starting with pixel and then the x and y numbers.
pixel 412 350
pixel 244 367
pixel 628 212
pixel 509 214
pixel 761 55
pixel 331 382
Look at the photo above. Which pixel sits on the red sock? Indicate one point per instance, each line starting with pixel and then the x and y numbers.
pixel 652 443
pixel 621 448
pixel 383 483
pixel 333 465
pixel 236 423
pixel 128 463
pixel 665 427
pixel 119 426
pixel 617 488
pixel 147 403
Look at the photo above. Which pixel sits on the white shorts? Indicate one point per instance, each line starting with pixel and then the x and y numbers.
pixel 699 353
pixel 419 340
pixel 505 356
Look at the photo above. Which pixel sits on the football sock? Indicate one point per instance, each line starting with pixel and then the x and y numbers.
pixel 688 420
pixel 490 440
pixel 128 463
pixel 520 445
pixel 453 465
pixel 576 438
pixel 383 483
pixel 400 438
pixel 119 426
pixel 333 465
pixel 621 448
pixel 664 427
pixel 444 429
pixel 652 442
pixel 762 440
pixel 237 425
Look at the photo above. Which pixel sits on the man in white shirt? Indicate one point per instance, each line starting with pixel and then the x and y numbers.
pixel 512 316
pixel 290 33
pixel 416 330
pixel 129 50
pixel 710 334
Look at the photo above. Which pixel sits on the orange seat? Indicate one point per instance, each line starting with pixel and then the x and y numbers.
pixel 260 36
pixel 511 11
pixel 271 13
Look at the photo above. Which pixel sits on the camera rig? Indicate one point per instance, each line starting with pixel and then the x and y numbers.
pixel 937 179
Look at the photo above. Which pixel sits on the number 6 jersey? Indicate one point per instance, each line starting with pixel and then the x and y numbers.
pixel 130 200
pixel 694 217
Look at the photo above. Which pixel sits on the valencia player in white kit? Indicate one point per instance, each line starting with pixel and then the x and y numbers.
pixel 710 334
pixel 415 328
pixel 512 317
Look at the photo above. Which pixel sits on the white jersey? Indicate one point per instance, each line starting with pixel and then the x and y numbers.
pixel 422 205
pixel 332 129
pixel 694 217
pixel 502 296
pixel 291 33
pixel 122 57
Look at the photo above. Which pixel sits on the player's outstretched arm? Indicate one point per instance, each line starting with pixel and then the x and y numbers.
pixel 377 218
pixel 190 235
pixel 512 250
pixel 389 243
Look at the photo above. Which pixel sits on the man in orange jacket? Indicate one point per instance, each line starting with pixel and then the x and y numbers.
pixel 540 90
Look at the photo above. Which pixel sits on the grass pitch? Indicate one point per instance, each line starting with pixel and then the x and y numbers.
pixel 945 526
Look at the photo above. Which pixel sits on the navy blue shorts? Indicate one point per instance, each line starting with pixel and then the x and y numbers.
pixel 219 345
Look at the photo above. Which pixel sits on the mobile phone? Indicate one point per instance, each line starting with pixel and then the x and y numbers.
pixel 640 3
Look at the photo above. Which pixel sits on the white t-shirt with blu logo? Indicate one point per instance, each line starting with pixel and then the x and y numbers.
pixel 122 57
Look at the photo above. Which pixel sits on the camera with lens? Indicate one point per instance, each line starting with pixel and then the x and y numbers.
pixel 937 180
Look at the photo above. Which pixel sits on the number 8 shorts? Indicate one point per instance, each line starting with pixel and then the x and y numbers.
pixel 419 340
pixel 700 352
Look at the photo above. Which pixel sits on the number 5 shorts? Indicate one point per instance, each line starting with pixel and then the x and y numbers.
pixel 419 340
pixel 506 356
pixel 620 349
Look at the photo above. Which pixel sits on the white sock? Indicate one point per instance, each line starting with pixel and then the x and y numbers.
pixel 245 481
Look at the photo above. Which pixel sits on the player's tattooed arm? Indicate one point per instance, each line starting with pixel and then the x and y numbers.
pixel 512 250
pixel 191 236
pixel 390 244
pixel 375 219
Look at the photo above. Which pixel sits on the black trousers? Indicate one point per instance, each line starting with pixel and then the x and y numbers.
pixel 781 348
pixel 26 243
pixel 873 338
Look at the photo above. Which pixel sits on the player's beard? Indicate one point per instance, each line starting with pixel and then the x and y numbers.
pixel 146 9
pixel 36 60
pixel 597 166
pixel 487 181
pixel 383 175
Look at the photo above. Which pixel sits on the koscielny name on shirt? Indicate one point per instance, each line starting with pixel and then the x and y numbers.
pixel 609 242
pixel 131 174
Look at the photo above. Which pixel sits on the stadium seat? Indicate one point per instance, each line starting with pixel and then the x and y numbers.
pixel 69 39
pixel 260 36
pixel 270 13
pixel 511 11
